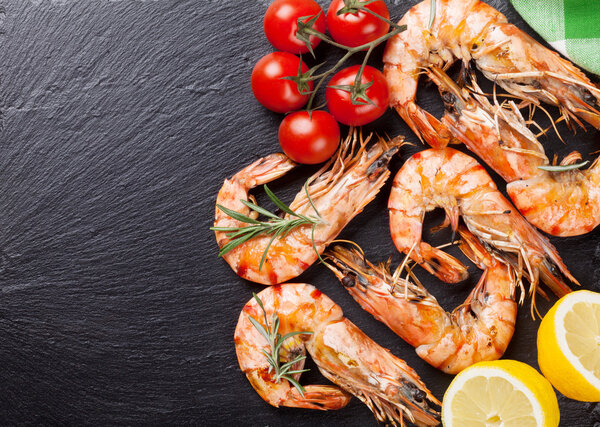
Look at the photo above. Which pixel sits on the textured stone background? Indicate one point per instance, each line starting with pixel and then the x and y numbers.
pixel 120 120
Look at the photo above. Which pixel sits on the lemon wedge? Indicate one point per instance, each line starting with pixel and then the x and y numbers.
pixel 503 393
pixel 568 345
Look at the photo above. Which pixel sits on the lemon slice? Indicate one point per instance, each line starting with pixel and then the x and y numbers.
pixel 503 393
pixel 568 345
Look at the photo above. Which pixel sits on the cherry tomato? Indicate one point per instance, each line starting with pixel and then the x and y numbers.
pixel 281 24
pixel 273 92
pixel 355 29
pixel 340 104
pixel 309 139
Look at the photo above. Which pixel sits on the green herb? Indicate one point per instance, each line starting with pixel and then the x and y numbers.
pixel 276 226
pixel 431 14
pixel 275 340
pixel 562 168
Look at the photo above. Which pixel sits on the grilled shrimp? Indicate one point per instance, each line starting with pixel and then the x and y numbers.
pixel 470 30
pixel 342 352
pixel 565 203
pixel 499 136
pixel 479 329
pixel 561 203
pixel 473 31
pixel 454 181
pixel 338 192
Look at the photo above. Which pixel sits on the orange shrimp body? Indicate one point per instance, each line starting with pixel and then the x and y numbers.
pixel 469 30
pixel 472 31
pixel 480 329
pixel 497 135
pixel 342 352
pixel 563 203
pixel 452 180
pixel 339 192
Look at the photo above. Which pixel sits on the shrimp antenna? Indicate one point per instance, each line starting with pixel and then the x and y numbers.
pixel 399 270
pixel 553 122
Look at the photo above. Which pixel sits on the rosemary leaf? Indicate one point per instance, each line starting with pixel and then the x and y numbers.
pixel 275 340
pixel 224 228
pixel 289 335
pixel 259 327
pixel 264 313
pixel 259 209
pixel 278 202
pixel 297 385
pixel 286 366
pixel 238 216
pixel 431 14
pixel 292 225
pixel 236 232
pixel 562 168
pixel 260 304
pixel 238 241
pixel 310 200
pixel 275 328
pixel 299 371
pixel 270 358
pixel 264 255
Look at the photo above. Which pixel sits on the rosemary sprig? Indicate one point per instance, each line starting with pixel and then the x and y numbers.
pixel 562 168
pixel 275 226
pixel 275 340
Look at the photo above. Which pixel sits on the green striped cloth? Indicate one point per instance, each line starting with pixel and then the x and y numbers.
pixel 572 27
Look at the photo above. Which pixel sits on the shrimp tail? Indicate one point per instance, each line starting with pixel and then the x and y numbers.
pixel 321 397
pixel 442 265
pixel 265 170
pixel 474 249
pixel 426 126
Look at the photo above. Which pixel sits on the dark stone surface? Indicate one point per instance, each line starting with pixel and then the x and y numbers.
pixel 120 120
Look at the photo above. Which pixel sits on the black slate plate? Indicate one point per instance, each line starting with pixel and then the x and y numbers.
pixel 120 121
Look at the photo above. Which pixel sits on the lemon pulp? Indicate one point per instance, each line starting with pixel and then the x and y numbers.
pixel 502 393
pixel 569 345
pixel 582 329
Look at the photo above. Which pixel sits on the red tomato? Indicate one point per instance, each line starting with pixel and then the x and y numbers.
pixel 281 24
pixel 355 29
pixel 277 94
pixel 309 139
pixel 340 104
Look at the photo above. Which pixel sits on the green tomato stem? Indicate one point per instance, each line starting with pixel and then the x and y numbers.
pixel 349 52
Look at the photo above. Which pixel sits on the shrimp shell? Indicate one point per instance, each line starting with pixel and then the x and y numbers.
pixel 479 329
pixel 342 352
pixel 454 181
pixel 339 191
